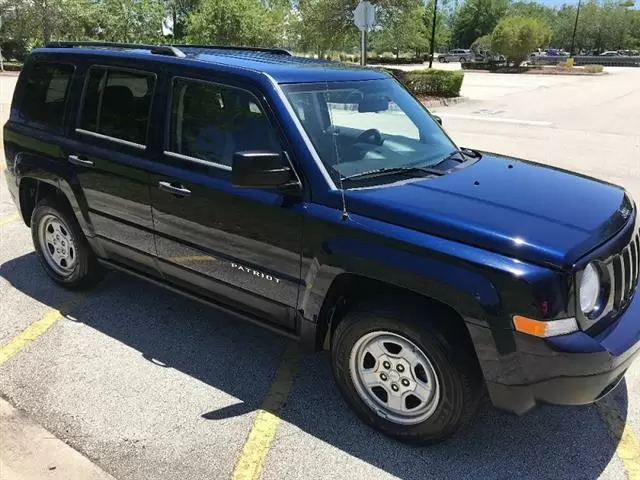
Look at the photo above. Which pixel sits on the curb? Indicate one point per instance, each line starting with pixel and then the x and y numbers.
pixel 443 102
pixel 29 452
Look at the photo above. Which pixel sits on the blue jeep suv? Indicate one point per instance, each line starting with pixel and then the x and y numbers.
pixel 326 203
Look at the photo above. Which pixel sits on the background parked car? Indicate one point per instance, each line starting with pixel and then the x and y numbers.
pixel 456 55
pixel 610 53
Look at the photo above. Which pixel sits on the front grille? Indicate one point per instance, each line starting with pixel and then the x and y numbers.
pixel 623 269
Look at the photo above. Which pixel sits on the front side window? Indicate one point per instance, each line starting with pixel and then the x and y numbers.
pixel 363 126
pixel 117 104
pixel 45 96
pixel 211 122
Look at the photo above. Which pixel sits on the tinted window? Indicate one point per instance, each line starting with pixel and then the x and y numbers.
pixel 211 122
pixel 117 104
pixel 47 87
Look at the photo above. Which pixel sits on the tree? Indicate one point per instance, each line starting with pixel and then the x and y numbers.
pixel 130 21
pixel 476 18
pixel 179 11
pixel 324 25
pixel 517 37
pixel 401 29
pixel 482 45
pixel 229 22
pixel 532 9
pixel 443 30
pixel 320 27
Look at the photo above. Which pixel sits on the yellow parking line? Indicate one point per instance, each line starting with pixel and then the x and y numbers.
pixel 628 449
pixel 10 218
pixel 29 334
pixel 254 452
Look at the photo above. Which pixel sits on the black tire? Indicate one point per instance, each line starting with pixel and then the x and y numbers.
pixel 87 271
pixel 448 350
pixel 442 59
pixel 462 59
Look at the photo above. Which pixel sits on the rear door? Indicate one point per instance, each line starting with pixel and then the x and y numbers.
pixel 237 246
pixel 111 155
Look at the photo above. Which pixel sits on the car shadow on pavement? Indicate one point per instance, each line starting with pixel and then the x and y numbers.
pixel 240 359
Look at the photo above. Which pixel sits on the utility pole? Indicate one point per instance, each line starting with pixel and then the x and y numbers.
pixel 433 32
pixel 575 26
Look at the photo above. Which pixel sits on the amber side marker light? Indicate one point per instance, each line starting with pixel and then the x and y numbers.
pixel 548 328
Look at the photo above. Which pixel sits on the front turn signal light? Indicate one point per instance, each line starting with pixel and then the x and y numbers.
pixel 547 328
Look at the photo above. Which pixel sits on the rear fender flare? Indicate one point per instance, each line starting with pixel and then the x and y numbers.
pixel 61 177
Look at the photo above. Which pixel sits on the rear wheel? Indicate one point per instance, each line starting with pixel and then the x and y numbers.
pixel 405 375
pixel 61 246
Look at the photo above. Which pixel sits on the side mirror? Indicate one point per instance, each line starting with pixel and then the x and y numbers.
pixel 437 119
pixel 260 169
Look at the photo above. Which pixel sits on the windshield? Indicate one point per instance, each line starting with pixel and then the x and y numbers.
pixel 367 125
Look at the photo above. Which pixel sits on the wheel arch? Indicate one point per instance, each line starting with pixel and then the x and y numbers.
pixel 38 178
pixel 349 289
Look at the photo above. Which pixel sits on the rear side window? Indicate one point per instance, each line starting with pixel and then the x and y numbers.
pixel 45 95
pixel 211 122
pixel 117 104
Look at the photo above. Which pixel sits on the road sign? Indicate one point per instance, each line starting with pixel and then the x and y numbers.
pixel 364 16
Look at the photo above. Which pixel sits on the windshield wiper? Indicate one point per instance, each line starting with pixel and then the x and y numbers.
pixel 394 171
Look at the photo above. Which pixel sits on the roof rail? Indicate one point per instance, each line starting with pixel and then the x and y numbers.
pixel 168 50
pixel 276 51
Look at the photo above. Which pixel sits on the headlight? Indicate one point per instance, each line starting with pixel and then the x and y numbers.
pixel 589 289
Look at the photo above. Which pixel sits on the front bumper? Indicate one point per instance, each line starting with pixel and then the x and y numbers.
pixel 572 369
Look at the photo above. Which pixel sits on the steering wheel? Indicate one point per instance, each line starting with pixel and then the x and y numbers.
pixel 371 134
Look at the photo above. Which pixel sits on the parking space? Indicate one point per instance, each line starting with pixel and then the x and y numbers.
pixel 150 385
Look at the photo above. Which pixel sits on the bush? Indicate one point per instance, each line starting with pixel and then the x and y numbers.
pixel 12 67
pixel 433 83
pixel 516 37
pixel 593 68
pixel 14 50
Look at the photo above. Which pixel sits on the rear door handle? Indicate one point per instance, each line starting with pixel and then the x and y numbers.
pixel 78 160
pixel 174 188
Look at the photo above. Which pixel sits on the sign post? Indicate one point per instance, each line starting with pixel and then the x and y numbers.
pixel 364 17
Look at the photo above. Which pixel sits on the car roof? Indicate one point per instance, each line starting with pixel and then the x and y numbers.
pixel 279 64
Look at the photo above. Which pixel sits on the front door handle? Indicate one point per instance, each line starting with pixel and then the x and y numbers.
pixel 78 160
pixel 174 188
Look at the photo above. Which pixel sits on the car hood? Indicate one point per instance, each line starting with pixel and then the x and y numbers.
pixel 515 207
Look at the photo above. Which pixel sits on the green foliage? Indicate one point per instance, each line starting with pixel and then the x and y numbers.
pixel 432 83
pixel 476 18
pixel 443 27
pixel 401 29
pixel 230 22
pixel 608 26
pixel 129 20
pixel 593 68
pixel 40 21
pixel 482 45
pixel 534 10
pixel 516 37
pixel 319 26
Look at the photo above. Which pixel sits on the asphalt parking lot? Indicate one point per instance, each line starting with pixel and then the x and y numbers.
pixel 150 385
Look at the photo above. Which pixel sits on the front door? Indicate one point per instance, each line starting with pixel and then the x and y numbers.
pixel 238 246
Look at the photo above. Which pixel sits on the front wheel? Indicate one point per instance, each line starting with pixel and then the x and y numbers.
pixel 442 59
pixel 404 374
pixel 61 246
